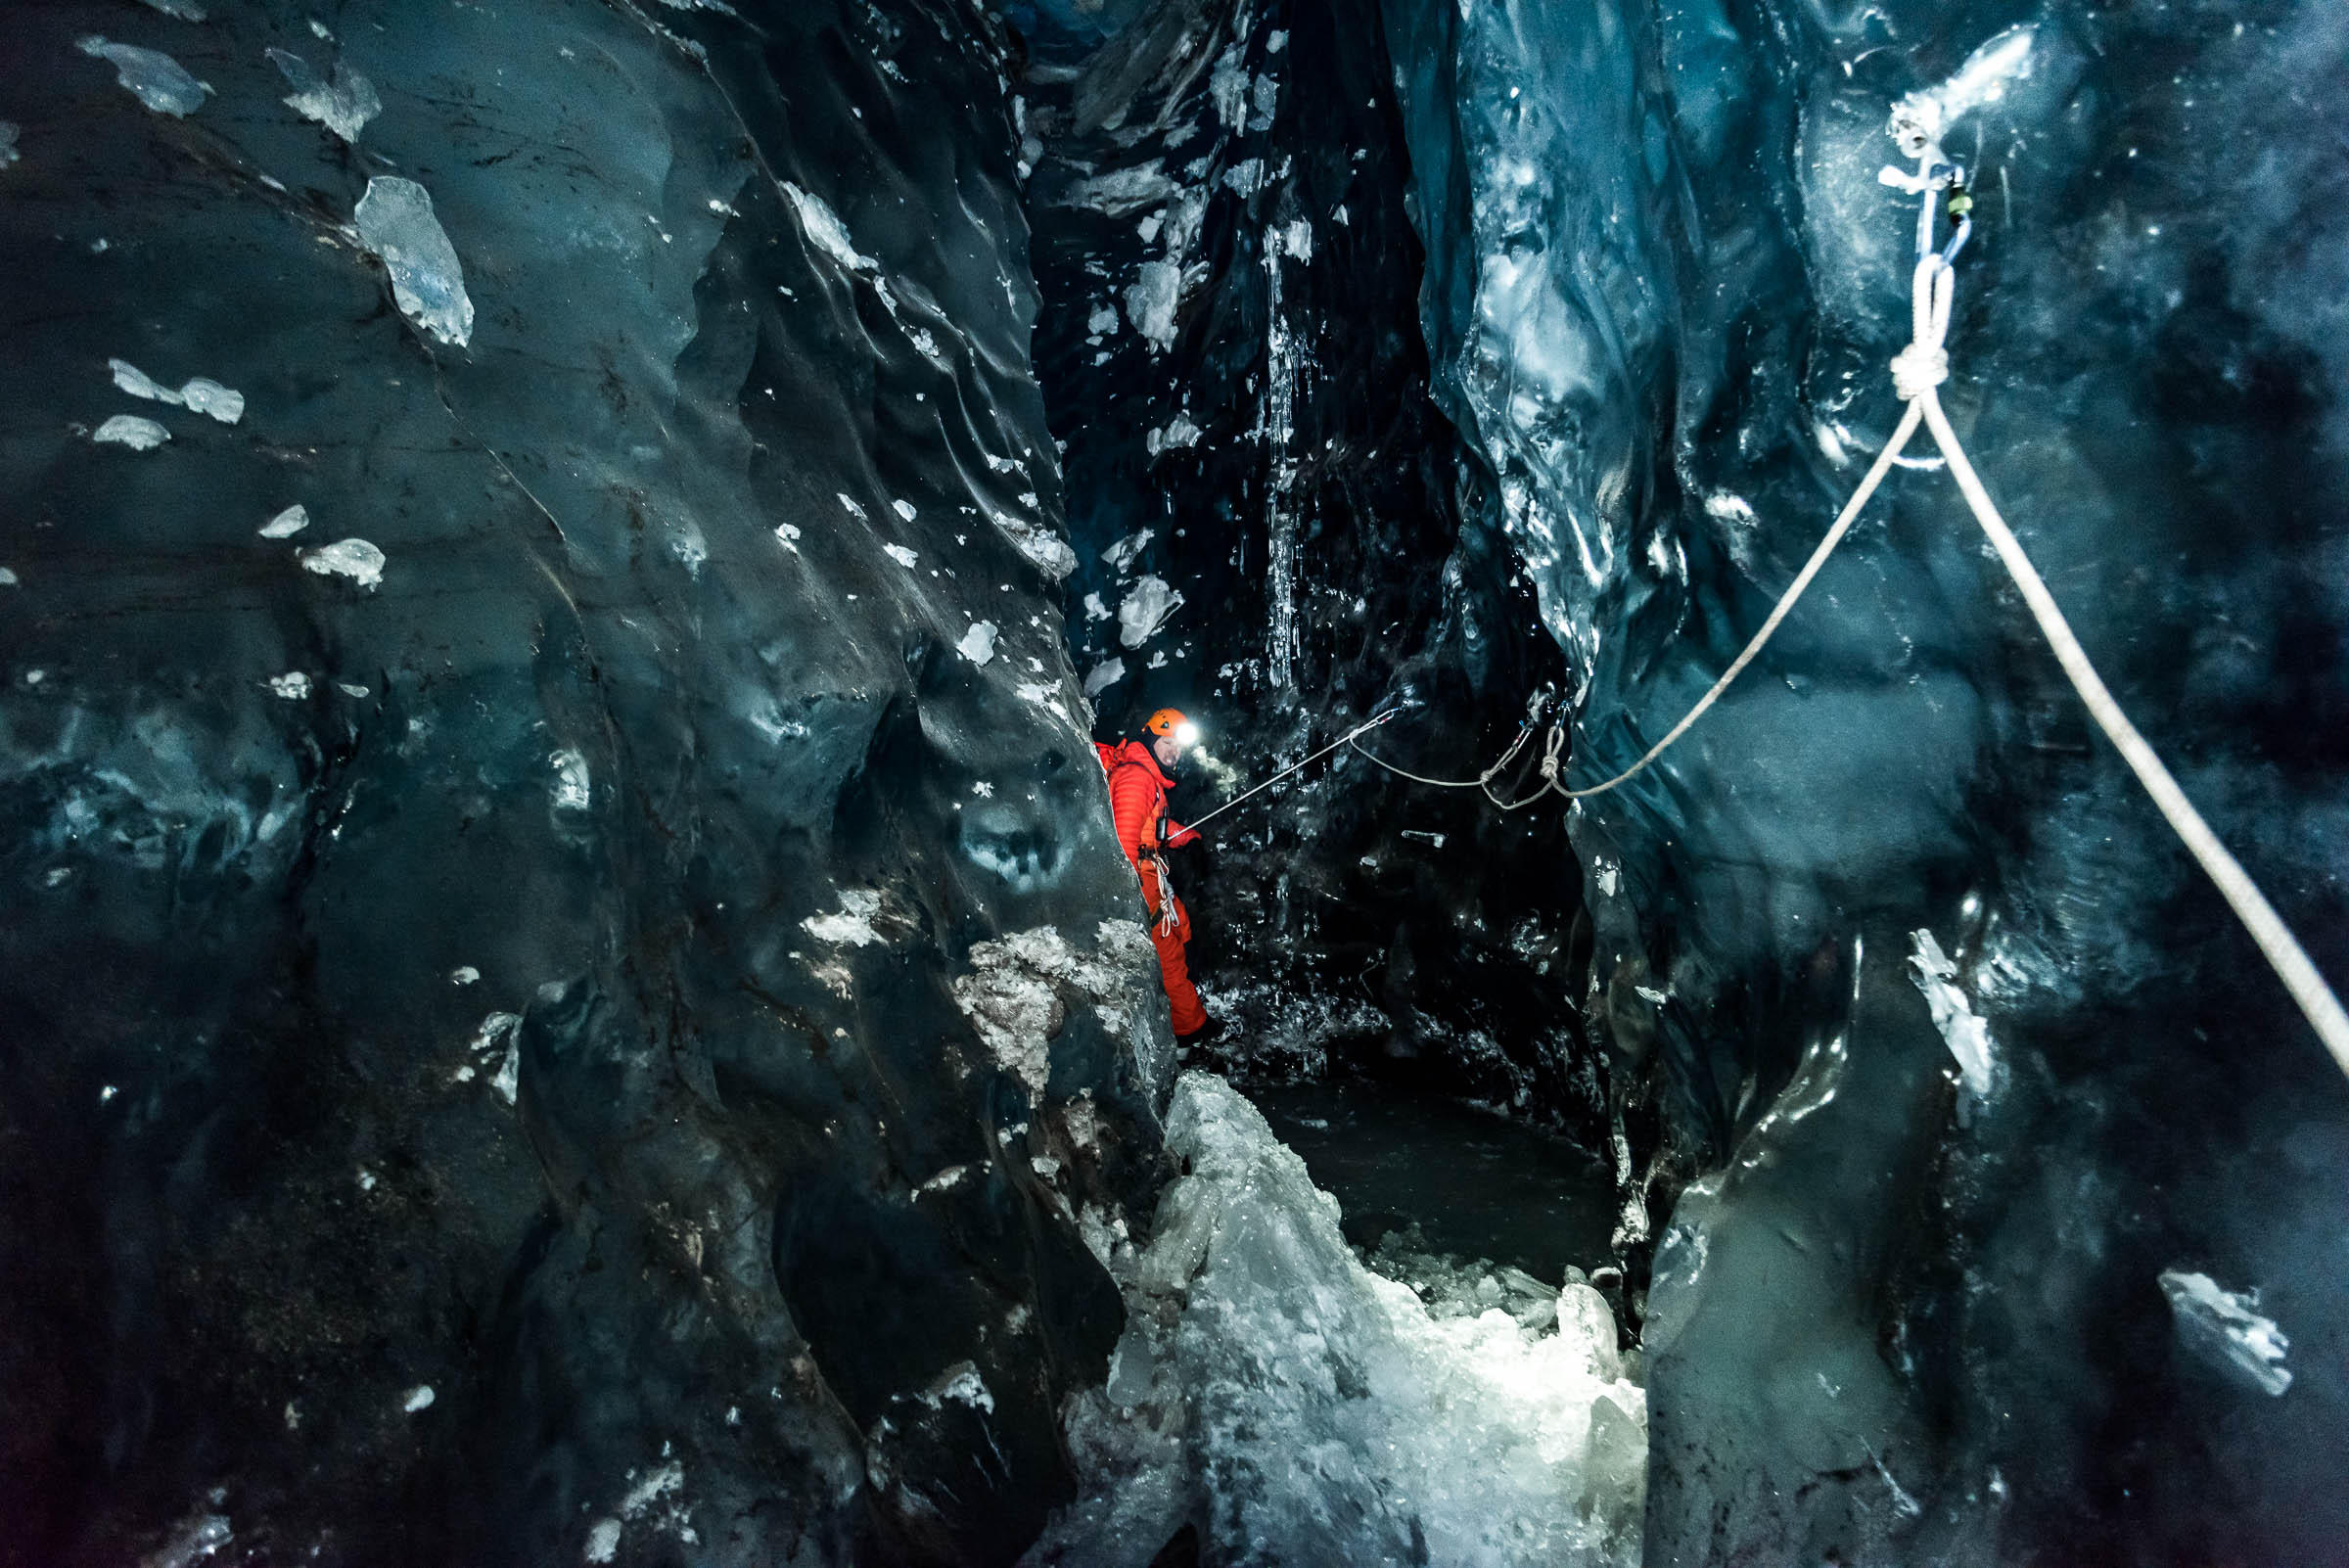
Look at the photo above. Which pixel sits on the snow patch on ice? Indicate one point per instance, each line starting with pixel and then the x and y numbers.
pixel 901 555
pixel 419 1398
pixel 288 523
pixel 293 685
pixel 2223 1328
pixel 395 221
pixel 150 75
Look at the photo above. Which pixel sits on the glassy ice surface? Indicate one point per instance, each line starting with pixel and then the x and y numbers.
pixel 1296 1407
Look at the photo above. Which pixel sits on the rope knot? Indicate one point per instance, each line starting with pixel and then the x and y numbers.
pixel 1917 369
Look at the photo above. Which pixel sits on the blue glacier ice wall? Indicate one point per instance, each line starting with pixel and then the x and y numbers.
pixel 1906 1313
pixel 1263 499
pixel 566 981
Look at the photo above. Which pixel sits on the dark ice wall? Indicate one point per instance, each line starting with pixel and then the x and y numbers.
pixel 560 1003
pixel 1908 1314
pixel 1263 499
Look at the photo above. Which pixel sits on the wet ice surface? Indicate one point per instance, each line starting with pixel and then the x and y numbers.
pixel 1296 1407
pixel 1475 1184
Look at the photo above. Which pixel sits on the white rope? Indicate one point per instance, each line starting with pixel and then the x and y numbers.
pixel 1918 371
pixel 2274 939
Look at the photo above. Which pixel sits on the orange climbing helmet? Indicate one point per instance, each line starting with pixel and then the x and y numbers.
pixel 1169 721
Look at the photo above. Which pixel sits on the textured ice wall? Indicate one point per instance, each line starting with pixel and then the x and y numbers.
pixel 1291 1406
pixel 1914 1310
pixel 556 1008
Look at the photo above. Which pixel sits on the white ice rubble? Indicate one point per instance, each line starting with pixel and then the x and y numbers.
pixel 1303 1410
pixel 2223 1328
pixel 395 221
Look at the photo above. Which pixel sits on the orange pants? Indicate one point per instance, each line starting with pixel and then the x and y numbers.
pixel 1189 1016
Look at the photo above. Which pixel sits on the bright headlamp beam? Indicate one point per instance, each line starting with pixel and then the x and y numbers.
pixel 1186 734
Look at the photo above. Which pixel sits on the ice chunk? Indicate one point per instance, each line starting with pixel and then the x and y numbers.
pixel 394 220
pixel 1954 1015
pixel 419 1398
pixel 150 75
pixel 293 685
pixel 603 1540
pixel 356 559
pixel 2222 1328
pixel 978 644
pixel 1103 675
pixel 8 142
pixel 184 10
pixel 1045 550
pixel 1145 609
pixel 853 926
pixel 344 106
pixel 826 232
pixel 129 430
pixel 136 381
pixel 288 523
pixel 901 555
pixel 1120 556
pixel 1151 302
pixel 789 535
pixel 904 509
pixel 8 577
pixel 1180 431
pixel 203 396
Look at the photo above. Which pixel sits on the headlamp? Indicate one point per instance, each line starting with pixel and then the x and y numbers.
pixel 1186 734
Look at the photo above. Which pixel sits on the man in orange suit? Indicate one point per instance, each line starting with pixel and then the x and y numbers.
pixel 1139 780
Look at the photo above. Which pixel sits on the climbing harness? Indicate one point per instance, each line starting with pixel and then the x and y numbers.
pixel 1917 373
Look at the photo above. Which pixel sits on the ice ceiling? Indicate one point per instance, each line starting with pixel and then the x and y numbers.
pixel 567 992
